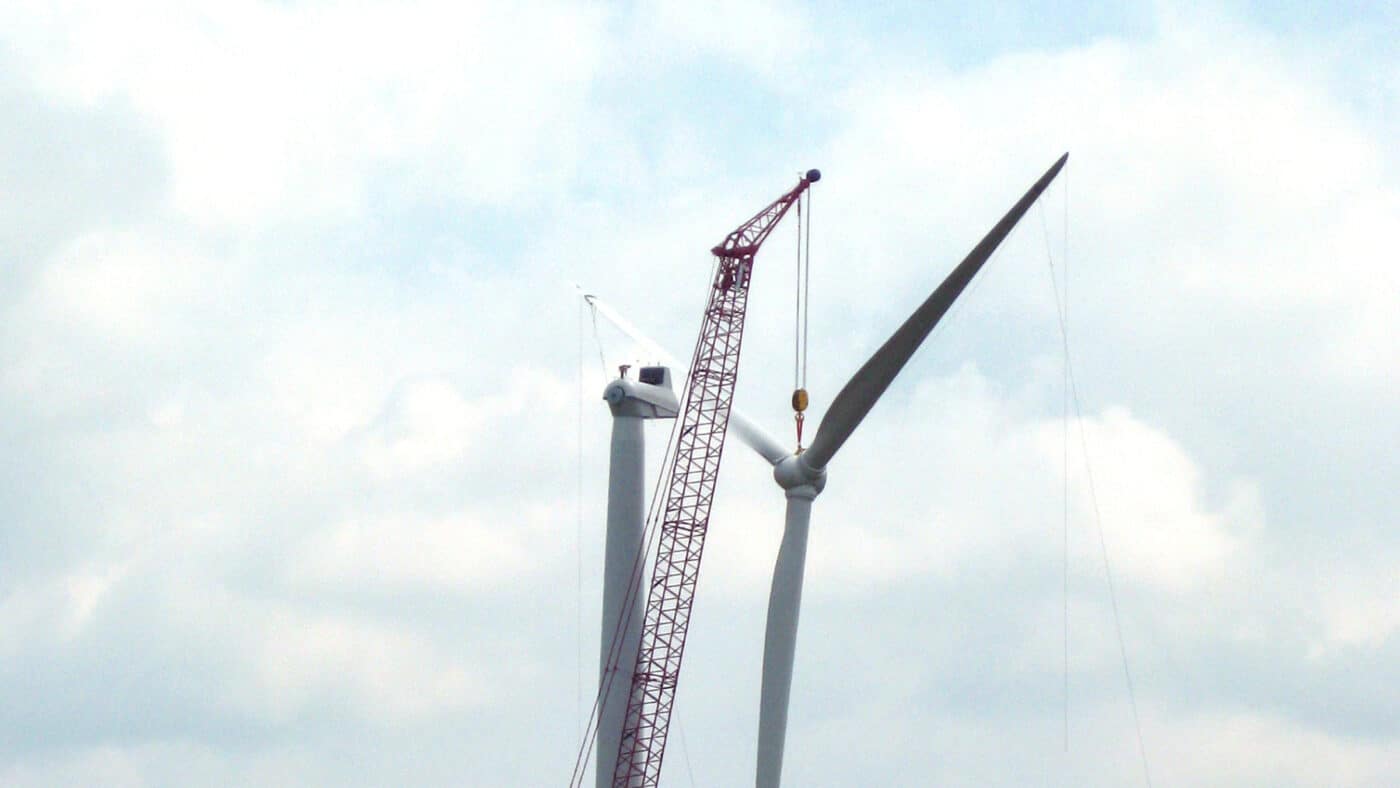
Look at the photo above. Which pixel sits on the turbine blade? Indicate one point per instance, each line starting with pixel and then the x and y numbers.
pixel 624 325
pixel 743 427
pixel 780 640
pixel 863 390
pixel 754 436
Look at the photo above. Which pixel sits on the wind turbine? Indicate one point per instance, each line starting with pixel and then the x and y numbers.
pixel 802 475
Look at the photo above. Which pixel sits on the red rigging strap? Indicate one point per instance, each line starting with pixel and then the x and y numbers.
pixel 689 491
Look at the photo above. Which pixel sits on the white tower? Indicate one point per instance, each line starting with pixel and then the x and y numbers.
pixel 632 402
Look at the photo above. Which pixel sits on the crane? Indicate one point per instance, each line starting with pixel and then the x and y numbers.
pixel 689 492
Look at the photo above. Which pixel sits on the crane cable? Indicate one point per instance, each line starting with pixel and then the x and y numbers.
pixel 1072 393
pixel 803 291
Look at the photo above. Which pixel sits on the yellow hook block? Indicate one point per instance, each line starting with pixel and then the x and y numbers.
pixel 799 400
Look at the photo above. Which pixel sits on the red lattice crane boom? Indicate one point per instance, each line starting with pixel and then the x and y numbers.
pixel 689 491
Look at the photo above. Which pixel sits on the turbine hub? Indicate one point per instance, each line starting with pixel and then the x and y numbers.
pixel 791 473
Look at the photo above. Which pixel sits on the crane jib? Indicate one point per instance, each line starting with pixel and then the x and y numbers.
pixel 689 491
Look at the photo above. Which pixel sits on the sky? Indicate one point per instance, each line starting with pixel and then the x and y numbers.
pixel 303 452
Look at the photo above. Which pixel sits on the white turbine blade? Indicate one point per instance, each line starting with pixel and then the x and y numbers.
pixel 780 638
pixel 753 436
pixel 863 390
pixel 625 326
pixel 744 428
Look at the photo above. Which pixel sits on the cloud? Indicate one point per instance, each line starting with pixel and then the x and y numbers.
pixel 67 170
pixel 455 555
pixel 296 425
pixel 276 113
pixel 985 495
pixel 767 38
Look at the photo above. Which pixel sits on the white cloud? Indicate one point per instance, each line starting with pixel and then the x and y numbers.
pixel 1224 750
pixel 431 424
pixel 469 552
pixel 984 491
pixel 273 113
pixel 302 661
pixel 770 38
pixel 121 285
pixel 1206 169
pixel 309 473
pixel 1362 609
pixel 1150 497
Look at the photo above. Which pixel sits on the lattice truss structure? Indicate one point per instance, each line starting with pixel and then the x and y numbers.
pixel 689 493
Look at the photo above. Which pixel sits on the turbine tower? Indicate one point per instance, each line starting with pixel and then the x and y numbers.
pixel 632 403
pixel 802 475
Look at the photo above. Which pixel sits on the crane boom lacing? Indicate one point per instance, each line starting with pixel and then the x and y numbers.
pixel 689 491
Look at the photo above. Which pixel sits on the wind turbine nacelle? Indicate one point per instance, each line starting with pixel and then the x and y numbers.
pixel 648 397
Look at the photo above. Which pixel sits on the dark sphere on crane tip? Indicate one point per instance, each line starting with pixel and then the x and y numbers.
pixel 813 176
